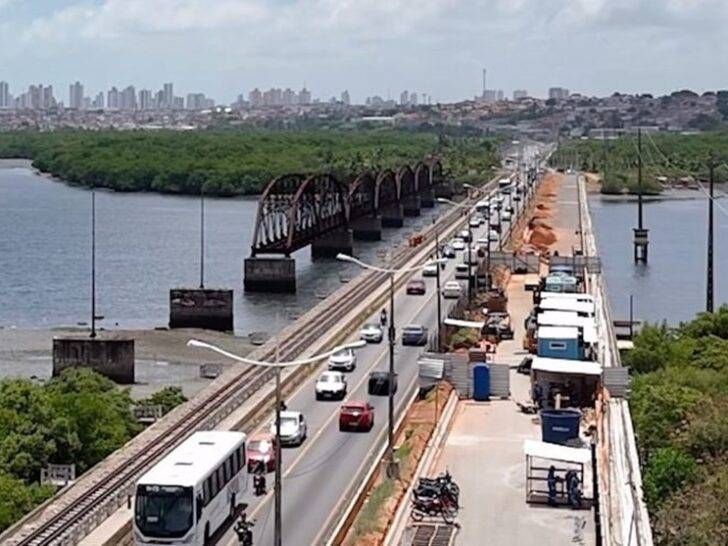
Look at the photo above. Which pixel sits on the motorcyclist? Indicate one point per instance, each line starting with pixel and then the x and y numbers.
pixel 259 484
pixel 383 317
pixel 244 530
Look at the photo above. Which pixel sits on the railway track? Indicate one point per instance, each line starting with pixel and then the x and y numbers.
pixel 71 522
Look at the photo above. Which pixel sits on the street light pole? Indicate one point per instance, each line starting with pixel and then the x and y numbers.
pixel 439 303
pixel 391 468
pixel 93 263
pixel 487 253
pixel 470 261
pixel 278 525
pixel 202 240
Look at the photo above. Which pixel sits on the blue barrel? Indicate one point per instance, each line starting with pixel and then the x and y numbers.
pixel 481 382
pixel 559 426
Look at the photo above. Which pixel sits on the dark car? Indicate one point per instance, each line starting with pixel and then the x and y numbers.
pixel 498 324
pixel 524 366
pixel 356 416
pixel 379 383
pixel 448 252
pixel 414 334
pixel 416 287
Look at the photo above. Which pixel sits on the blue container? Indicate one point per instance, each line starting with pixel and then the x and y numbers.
pixel 559 426
pixel 481 382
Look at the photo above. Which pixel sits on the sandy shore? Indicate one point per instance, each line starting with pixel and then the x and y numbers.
pixel 162 356
pixel 16 164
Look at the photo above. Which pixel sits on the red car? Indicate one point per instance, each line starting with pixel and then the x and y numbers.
pixel 356 416
pixel 416 287
pixel 261 449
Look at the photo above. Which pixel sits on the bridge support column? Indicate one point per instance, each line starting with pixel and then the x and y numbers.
pixel 111 357
pixel 333 243
pixel 393 216
pixel 411 205
pixel 427 198
pixel 444 190
pixel 270 274
pixel 367 228
pixel 207 308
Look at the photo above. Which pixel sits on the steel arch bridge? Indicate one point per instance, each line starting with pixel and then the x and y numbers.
pixel 296 209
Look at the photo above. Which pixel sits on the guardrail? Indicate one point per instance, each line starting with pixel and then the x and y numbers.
pixel 624 516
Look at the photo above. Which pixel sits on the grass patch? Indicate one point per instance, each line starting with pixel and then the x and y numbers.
pixel 368 517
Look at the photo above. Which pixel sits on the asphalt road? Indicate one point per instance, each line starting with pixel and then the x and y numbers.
pixel 317 474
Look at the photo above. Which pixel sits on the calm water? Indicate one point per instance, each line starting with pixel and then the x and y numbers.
pixel 146 244
pixel 672 285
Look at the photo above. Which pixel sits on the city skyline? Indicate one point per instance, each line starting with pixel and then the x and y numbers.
pixel 224 47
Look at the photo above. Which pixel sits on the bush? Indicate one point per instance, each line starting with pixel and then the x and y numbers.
pixel 18 498
pixel 667 470
pixel 168 397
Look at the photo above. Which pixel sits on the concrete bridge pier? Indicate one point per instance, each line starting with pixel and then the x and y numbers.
pixel 393 216
pixel 367 228
pixel 111 357
pixel 411 205
pixel 444 190
pixel 427 198
pixel 333 243
pixel 270 274
pixel 207 308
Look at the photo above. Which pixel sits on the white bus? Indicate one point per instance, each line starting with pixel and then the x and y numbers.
pixel 187 495
pixel 504 185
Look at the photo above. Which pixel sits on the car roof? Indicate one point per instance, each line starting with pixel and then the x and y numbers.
pixel 354 404
pixel 262 436
pixel 294 414
pixel 413 327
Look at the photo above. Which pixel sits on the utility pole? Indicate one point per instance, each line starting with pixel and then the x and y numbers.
pixel 709 296
pixel 391 464
pixel 641 235
pixel 278 540
pixel 439 303
pixel 487 252
pixel 202 240
pixel 93 263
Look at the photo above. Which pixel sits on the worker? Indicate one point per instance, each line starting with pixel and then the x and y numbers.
pixel 573 491
pixel 383 317
pixel 551 481
pixel 259 484
pixel 537 395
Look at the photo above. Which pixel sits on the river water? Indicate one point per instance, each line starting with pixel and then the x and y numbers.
pixel 146 244
pixel 672 286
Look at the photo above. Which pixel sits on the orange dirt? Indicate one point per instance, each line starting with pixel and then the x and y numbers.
pixel 418 427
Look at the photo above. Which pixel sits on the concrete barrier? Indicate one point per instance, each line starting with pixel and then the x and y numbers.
pixel 211 309
pixel 111 357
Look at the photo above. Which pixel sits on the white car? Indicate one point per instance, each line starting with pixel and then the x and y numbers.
pixel 482 242
pixel 506 216
pixel 452 289
pixel 475 222
pixel 457 244
pixel 430 270
pixel 371 332
pixel 293 428
pixel 464 235
pixel 461 271
pixel 331 385
pixel 344 360
pixel 494 236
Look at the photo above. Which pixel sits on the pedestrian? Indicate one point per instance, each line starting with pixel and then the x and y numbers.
pixel 537 395
pixel 551 481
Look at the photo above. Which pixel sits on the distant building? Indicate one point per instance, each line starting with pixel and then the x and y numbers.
pixel 128 99
pixel 75 96
pixel 255 98
pixel 345 97
pixel 413 98
pixel 146 102
pixel 112 99
pixel 404 98
pixel 492 95
pixel 98 102
pixel 304 96
pixel 558 93
pixel 178 103
pixel 168 93
pixel 4 95
pixel 520 94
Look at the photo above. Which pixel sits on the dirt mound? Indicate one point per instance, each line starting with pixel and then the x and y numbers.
pixel 542 237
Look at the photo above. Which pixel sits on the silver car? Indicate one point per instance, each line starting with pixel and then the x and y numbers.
pixel 371 333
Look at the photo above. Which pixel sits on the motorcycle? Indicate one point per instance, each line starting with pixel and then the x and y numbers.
pixel 244 530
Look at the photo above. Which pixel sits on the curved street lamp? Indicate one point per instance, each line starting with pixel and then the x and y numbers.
pixel 278 366
pixel 391 464
pixel 470 242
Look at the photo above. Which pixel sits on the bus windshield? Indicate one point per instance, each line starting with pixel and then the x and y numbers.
pixel 163 511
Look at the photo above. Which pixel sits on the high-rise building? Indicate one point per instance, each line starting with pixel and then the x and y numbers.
pixel 520 94
pixel 168 96
pixel 558 93
pixel 255 97
pixel 112 99
pixel 413 99
pixel 178 103
pixel 304 96
pixel 404 98
pixel 98 102
pixel 128 100
pixel 75 96
pixel 145 99
pixel 159 100
pixel 345 97
pixel 48 100
pixel 288 97
pixel 4 95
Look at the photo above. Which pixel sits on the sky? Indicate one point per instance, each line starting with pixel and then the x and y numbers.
pixel 438 47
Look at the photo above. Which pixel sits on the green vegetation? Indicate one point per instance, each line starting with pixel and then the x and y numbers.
pixel 79 417
pixel 168 397
pixel 368 519
pixel 679 403
pixel 664 155
pixel 235 162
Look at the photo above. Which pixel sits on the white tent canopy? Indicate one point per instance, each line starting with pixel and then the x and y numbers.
pixel 565 366
pixel 556 452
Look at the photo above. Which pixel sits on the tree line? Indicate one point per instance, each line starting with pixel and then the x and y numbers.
pixel 672 156
pixel 679 404
pixel 227 163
